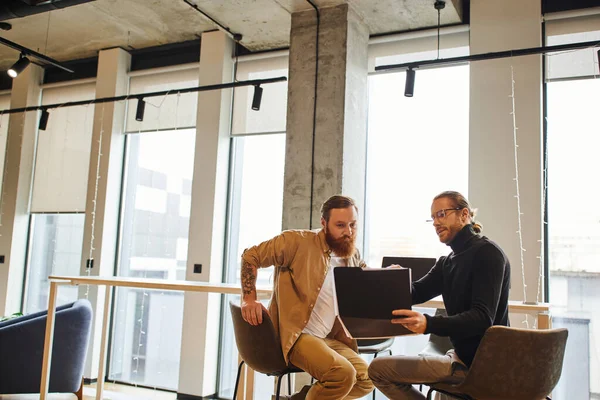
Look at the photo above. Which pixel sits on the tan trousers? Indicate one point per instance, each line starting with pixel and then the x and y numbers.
pixel 340 372
pixel 395 376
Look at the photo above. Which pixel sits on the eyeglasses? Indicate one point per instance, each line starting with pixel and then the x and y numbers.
pixel 441 214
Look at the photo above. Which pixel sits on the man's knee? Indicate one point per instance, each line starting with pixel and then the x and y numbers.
pixel 376 369
pixel 343 374
pixel 364 386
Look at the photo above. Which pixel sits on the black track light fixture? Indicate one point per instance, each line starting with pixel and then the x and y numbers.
pixel 409 85
pixel 139 112
pixel 257 97
pixel 19 66
pixel 44 120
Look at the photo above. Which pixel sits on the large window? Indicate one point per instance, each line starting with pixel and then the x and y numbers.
pixel 573 214
pixel 417 147
pixel 54 249
pixel 58 204
pixel 154 227
pixel 257 204
pixel 256 194
pixel 155 223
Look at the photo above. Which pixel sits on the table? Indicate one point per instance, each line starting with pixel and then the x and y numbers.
pixel 541 311
pixel 108 283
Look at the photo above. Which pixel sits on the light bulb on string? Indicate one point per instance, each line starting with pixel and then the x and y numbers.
pixel 518 195
pixel 94 201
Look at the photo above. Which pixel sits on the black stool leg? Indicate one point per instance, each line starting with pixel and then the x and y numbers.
pixel 429 393
pixel 237 380
pixel 278 387
pixel 289 384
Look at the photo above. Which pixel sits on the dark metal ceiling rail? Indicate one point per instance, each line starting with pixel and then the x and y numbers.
pixel 490 56
pixel 35 54
pixel 206 88
pixel 235 36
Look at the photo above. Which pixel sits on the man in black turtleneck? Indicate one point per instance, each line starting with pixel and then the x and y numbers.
pixel 474 281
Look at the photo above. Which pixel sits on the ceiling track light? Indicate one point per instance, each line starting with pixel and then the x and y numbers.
pixel 257 97
pixel 32 54
pixel 139 112
pixel 409 85
pixel 19 66
pixel 44 120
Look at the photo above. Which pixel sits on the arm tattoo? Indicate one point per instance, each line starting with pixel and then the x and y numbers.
pixel 248 279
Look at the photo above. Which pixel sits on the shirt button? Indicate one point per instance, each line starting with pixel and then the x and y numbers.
pixel 311 305
pixel 305 321
pixel 319 288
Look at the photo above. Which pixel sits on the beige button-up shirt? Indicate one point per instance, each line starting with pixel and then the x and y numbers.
pixel 301 259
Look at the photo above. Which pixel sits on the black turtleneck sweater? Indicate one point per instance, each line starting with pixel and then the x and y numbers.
pixel 474 280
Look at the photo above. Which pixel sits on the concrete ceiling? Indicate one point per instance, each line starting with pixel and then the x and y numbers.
pixel 81 31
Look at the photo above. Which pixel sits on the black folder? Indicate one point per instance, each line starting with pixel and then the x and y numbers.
pixel 367 297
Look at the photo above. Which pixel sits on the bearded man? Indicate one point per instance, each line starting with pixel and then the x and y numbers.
pixel 303 307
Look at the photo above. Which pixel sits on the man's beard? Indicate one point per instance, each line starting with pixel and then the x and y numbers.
pixel 342 247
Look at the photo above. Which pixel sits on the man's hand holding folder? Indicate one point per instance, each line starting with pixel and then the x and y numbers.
pixel 414 321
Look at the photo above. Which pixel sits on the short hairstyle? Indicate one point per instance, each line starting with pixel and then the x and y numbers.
pixel 461 201
pixel 337 201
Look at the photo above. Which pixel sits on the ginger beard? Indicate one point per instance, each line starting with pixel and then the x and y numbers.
pixel 343 246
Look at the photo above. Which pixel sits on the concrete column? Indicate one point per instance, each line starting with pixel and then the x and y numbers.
pixel 16 187
pixel 496 26
pixel 104 189
pixel 198 363
pixel 341 124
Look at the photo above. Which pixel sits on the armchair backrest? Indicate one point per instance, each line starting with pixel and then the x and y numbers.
pixel 513 363
pixel 22 346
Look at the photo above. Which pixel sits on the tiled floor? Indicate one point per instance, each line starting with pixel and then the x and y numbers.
pixel 111 391
pixel 121 392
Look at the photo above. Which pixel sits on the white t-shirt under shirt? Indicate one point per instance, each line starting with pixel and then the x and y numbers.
pixel 325 309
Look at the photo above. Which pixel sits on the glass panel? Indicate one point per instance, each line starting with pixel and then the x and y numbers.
pixel 417 148
pixel 155 225
pixel 574 231
pixel 55 249
pixel 256 212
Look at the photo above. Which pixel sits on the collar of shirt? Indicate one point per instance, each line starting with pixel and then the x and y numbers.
pixel 459 243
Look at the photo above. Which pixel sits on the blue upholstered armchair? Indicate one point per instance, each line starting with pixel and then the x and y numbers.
pixel 22 347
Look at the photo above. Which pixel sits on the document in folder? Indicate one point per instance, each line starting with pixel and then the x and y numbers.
pixel 367 297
